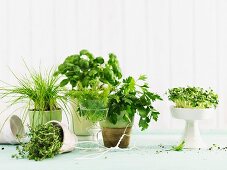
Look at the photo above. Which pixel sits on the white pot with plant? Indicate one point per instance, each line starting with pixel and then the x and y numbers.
pixel 90 72
pixel 46 141
pixel 129 98
pixel 41 95
pixel 192 104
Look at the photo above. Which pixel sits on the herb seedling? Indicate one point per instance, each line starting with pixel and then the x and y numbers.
pixel 45 142
pixel 193 97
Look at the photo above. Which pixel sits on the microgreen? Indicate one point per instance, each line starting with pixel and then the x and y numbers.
pixel 193 97
pixel 45 142
pixel 133 96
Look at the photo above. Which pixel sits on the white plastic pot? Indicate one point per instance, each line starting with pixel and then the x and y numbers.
pixel 69 139
pixel 10 129
pixel 191 136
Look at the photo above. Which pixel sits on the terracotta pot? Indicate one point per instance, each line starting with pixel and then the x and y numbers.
pixel 112 133
pixel 42 117
pixel 111 137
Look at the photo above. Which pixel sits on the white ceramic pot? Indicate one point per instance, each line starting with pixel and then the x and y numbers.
pixel 69 139
pixel 10 129
pixel 191 134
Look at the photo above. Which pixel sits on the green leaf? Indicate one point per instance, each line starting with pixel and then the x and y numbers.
pixel 143 123
pixel 64 82
pixel 180 147
pixel 61 68
pixel 143 77
pixel 86 53
pixel 99 60
pixel 142 112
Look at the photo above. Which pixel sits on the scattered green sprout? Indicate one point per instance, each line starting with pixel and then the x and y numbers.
pixel 193 97
pixel 180 147
pixel 45 142
pixel 133 96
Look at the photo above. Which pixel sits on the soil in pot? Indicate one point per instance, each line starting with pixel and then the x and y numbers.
pixel 111 137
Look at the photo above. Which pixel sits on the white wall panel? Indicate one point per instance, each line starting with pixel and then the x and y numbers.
pixel 158 60
pixel 221 44
pixel 175 42
pixel 205 44
pixel 182 58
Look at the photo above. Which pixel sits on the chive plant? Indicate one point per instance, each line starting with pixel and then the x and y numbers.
pixel 37 91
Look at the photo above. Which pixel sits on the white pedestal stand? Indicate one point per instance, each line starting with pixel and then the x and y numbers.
pixel 191 136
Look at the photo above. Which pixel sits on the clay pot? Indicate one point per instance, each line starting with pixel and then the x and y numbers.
pixel 111 137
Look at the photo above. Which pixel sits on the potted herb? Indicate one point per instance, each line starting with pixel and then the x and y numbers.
pixel 129 98
pixel 41 95
pixel 192 104
pixel 86 71
pixel 46 141
pixel 93 102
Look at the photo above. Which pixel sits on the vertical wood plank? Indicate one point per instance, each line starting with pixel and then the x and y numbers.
pixel 222 60
pixel 43 30
pixel 112 29
pixel 182 59
pixel 206 59
pixel 135 37
pixel 19 48
pixel 66 29
pixel 158 55
pixel 89 26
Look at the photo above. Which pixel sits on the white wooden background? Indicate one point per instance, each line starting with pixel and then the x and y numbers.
pixel 175 42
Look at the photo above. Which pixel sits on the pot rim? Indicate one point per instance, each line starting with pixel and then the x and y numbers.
pixel 32 110
pixel 172 107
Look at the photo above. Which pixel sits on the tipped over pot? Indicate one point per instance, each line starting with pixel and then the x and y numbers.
pixel 69 139
pixel 11 130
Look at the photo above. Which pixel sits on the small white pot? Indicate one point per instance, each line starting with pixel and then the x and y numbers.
pixel 191 136
pixel 69 139
pixel 10 129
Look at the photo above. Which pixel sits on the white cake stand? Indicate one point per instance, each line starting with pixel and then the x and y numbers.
pixel 191 136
